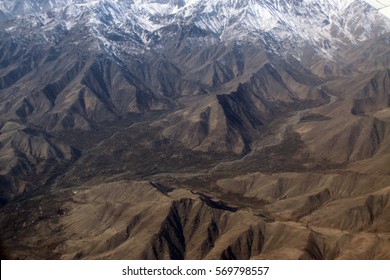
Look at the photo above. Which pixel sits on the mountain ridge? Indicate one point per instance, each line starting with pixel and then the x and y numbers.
pixel 246 121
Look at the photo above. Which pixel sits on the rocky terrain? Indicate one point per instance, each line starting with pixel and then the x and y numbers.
pixel 237 129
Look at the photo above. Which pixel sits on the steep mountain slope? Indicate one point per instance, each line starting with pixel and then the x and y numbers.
pixel 246 121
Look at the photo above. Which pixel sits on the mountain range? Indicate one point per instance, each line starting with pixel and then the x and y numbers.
pixel 194 129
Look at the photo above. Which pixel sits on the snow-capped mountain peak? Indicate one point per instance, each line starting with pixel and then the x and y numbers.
pixel 322 23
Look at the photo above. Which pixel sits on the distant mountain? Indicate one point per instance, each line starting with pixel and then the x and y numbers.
pixel 144 22
pixel 89 38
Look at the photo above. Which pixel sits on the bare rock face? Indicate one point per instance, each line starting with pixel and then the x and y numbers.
pixel 194 129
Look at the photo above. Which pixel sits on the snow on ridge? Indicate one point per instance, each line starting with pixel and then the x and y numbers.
pixel 313 21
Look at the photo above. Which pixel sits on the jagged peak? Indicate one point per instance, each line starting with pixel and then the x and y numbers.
pixel 320 23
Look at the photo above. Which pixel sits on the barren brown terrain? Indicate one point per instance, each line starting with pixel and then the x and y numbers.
pixel 194 150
